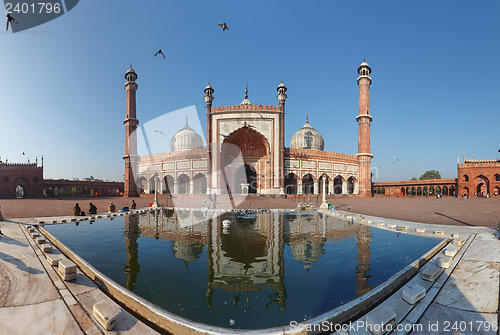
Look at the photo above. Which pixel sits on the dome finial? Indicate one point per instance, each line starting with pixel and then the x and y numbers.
pixel 307 118
pixel 186 120
pixel 246 91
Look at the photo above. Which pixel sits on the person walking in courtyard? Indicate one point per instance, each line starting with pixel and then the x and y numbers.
pixel 111 207
pixel 77 210
pixel 134 205
pixel 92 209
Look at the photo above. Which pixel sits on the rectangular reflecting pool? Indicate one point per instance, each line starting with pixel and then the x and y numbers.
pixel 259 270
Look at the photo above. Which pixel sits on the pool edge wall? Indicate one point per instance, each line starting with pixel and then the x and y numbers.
pixel 178 325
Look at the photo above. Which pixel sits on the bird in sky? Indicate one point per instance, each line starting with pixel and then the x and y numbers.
pixel 10 19
pixel 159 52
pixel 225 136
pixel 23 152
pixel 161 133
pixel 224 26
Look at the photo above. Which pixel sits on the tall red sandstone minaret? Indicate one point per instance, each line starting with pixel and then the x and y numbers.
pixel 209 98
pixel 130 122
pixel 364 119
pixel 281 163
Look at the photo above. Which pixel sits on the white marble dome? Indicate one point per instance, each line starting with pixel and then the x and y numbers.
pixel 186 139
pixel 307 138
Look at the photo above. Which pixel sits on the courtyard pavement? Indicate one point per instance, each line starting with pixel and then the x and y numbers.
pixel 447 211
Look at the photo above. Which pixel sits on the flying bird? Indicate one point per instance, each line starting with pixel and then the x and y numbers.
pixel 10 19
pixel 161 133
pixel 348 208
pixel 224 26
pixel 159 52
pixel 23 152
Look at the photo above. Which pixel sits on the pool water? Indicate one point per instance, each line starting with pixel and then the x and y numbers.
pixel 264 270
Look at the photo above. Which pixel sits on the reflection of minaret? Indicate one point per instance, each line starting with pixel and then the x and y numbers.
pixel 363 243
pixel 132 232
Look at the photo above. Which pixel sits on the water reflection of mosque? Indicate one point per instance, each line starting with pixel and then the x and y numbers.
pixel 248 256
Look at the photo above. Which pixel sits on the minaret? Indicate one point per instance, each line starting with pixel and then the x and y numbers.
pixel 282 98
pixel 130 122
pixel 209 97
pixel 364 119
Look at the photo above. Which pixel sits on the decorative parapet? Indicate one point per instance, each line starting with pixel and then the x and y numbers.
pixel 480 163
pixel 176 154
pixel 17 166
pixel 298 153
pixel 259 108
pixel 424 182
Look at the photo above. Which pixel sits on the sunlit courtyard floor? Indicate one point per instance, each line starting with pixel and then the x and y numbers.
pixel 448 210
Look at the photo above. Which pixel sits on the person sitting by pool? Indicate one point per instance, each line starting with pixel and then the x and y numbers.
pixel 111 207
pixel 134 205
pixel 92 209
pixel 77 210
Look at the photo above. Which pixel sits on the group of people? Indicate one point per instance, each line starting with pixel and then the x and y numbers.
pixel 77 211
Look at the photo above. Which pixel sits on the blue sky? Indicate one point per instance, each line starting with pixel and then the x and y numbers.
pixel 434 67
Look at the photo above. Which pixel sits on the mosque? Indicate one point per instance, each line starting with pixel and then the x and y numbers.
pixel 257 134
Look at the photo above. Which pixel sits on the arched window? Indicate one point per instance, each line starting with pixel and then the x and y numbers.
pixel 497 177
pixel 466 178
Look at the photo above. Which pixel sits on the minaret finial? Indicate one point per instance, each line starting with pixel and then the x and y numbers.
pixel 246 91
pixel 307 118
pixel 364 60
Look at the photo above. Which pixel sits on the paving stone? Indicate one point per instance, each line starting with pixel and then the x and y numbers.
pixel 434 321
pixel 458 242
pixel 481 250
pixel 431 272
pixel 46 247
pixel 66 276
pixel 66 266
pixel 21 281
pixel 35 234
pixel 403 227
pixel 439 232
pixel 392 226
pixel 51 317
pixel 106 313
pixel 84 320
pixel 413 295
pixel 377 320
pixel 450 251
pixel 125 324
pixel 473 286
pixel 40 240
pixel 420 230
pixel 420 307
pixel 444 262
pixel 68 297
pixel 53 260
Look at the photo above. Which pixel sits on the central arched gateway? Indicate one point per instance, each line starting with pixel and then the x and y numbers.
pixel 252 148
